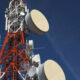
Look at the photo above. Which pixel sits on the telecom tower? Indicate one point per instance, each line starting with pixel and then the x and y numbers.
pixel 17 61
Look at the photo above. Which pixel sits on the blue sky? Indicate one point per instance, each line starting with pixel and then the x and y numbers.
pixel 62 42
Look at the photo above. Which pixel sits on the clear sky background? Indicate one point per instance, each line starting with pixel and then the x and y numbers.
pixel 62 42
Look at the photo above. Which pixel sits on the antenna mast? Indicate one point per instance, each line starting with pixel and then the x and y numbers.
pixel 17 60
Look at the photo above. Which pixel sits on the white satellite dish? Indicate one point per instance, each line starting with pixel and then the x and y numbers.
pixel 51 71
pixel 37 22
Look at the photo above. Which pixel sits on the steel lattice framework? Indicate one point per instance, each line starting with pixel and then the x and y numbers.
pixel 17 59
pixel 13 54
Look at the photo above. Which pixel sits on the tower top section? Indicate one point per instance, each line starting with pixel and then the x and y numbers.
pixel 18 18
pixel 15 15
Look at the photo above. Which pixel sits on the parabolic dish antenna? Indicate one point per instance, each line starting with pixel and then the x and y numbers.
pixel 37 22
pixel 53 71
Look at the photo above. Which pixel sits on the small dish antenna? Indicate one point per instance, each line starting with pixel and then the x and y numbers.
pixel 37 22
pixel 51 70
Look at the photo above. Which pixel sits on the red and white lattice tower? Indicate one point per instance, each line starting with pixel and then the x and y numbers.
pixel 13 53
pixel 17 60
